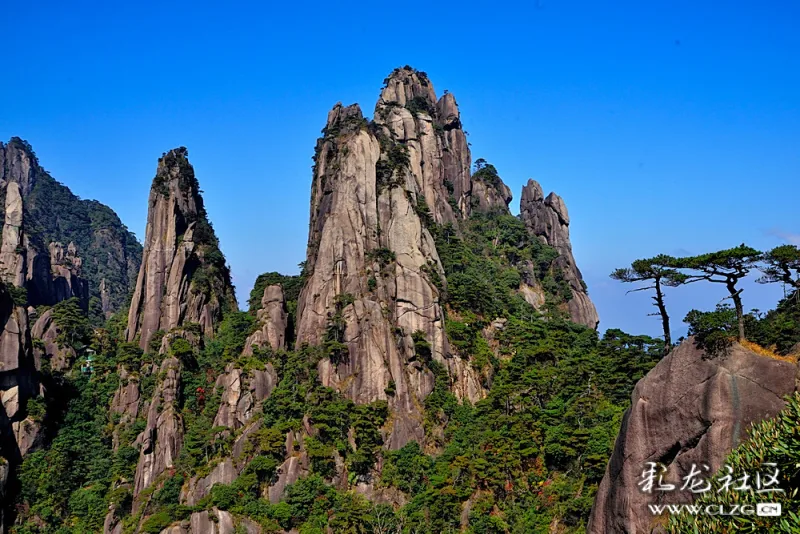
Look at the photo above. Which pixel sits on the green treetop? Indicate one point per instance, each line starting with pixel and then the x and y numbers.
pixel 655 273
pixel 725 267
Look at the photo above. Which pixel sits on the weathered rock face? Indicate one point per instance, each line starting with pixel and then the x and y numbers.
pixel 242 394
pixel 547 218
pixel 274 320
pixel 31 255
pixel 688 409
pixel 162 439
pixel 183 277
pixel 12 263
pixel 65 266
pixel 126 398
pixel 371 259
pixel 46 330
pixel 18 380
pixel 292 469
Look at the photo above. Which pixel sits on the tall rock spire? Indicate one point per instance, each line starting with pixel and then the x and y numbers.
pixel 371 295
pixel 183 277
pixel 547 218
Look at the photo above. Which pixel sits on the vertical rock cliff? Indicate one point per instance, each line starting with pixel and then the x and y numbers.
pixel 371 294
pixel 183 290
pixel 183 278
pixel 19 433
pixel 689 409
pixel 547 218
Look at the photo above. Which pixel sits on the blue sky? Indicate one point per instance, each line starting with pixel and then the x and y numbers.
pixel 667 127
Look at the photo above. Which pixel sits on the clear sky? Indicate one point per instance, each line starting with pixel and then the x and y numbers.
pixel 667 127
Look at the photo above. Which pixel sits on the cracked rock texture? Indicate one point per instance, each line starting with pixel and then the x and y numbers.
pixel 183 277
pixel 273 319
pixel 548 219
pixel 688 409
pixel 243 393
pixel 162 439
pixel 372 262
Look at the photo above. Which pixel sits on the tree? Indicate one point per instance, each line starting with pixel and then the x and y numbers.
pixel 724 267
pixel 778 265
pixel 653 270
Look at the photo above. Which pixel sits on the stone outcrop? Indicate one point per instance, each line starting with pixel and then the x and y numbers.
pixel 273 319
pixel 126 401
pixel 5 470
pixel 548 219
pixel 65 267
pixel 183 277
pixel 689 408
pixel 162 439
pixel 19 433
pixel 372 264
pixel 242 394
pixel 46 331
pixel 295 466
pixel 18 380
pixel 12 262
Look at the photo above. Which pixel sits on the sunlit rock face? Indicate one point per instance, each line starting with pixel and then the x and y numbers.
pixel 548 219
pixel 183 278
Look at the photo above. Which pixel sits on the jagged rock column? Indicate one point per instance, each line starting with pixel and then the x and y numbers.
pixel 371 260
pixel 183 277
pixel 547 218
pixel 162 439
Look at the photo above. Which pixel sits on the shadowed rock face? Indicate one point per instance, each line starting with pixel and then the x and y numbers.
pixel 547 218
pixel 371 260
pixel 19 434
pixel 687 409
pixel 183 277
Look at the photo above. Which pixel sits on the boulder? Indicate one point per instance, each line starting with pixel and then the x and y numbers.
pixel 689 409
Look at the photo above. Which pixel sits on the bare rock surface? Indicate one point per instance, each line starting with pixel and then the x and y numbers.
pixel 689 409
pixel 162 438
pixel 183 277
pixel 273 319
pixel 371 259
pixel 548 219
pixel 242 394
pixel 46 330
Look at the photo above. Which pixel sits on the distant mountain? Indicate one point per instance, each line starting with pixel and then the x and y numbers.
pixel 57 240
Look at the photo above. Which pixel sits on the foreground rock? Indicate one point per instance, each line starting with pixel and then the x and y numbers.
pixel 689 409
pixel 547 218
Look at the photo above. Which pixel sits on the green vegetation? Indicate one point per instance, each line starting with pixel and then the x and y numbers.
pixel 714 330
pixel 527 457
pixel 653 271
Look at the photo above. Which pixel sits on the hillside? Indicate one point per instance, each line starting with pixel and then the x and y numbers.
pixel 434 368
